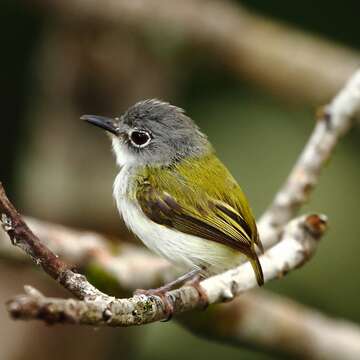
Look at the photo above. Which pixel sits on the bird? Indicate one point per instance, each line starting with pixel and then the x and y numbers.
pixel 176 195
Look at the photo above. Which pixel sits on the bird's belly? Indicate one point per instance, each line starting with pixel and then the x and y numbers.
pixel 184 250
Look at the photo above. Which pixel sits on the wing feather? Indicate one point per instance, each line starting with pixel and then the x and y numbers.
pixel 194 210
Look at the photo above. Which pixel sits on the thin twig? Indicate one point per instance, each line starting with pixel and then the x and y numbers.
pixel 333 122
pixel 24 238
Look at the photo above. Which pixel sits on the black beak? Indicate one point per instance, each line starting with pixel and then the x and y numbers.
pixel 102 122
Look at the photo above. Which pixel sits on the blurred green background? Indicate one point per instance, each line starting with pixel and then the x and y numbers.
pixel 57 169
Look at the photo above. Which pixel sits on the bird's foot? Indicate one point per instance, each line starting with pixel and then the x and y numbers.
pixel 161 293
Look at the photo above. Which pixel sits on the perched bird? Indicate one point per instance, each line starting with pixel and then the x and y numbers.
pixel 176 195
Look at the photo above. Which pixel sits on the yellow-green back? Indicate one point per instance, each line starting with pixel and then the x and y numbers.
pixel 200 197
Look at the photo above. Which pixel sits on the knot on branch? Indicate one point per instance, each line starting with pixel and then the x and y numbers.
pixel 316 225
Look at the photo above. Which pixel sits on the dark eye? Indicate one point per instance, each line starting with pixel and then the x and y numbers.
pixel 140 138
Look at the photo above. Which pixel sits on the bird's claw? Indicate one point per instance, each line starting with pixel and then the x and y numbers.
pixel 195 283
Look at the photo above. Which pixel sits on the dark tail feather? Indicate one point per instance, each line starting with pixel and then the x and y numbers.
pixel 255 263
pixel 258 243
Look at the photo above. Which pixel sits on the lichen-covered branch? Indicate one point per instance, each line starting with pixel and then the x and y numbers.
pixel 291 325
pixel 299 241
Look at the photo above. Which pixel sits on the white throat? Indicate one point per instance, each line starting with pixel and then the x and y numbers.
pixel 122 153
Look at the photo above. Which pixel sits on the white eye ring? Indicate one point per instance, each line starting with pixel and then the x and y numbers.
pixel 139 138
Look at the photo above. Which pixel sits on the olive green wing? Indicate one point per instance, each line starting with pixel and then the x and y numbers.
pixel 171 200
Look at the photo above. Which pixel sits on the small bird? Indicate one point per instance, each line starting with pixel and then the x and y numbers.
pixel 176 195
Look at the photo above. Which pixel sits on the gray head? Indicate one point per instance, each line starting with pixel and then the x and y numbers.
pixel 152 132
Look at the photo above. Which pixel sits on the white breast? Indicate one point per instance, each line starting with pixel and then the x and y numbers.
pixel 184 250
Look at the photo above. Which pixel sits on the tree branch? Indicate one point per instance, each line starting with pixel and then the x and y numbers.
pixel 24 238
pixel 333 122
pixel 298 243
pixel 295 330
